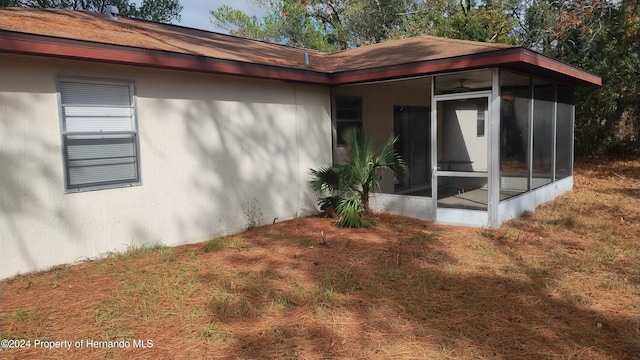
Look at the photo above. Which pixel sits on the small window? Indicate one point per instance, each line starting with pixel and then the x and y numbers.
pixel 348 115
pixel 99 134
pixel 481 117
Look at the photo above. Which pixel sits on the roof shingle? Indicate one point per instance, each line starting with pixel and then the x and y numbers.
pixel 92 36
pixel 95 27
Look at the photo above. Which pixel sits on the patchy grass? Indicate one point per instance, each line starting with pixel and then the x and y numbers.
pixel 219 244
pixel 558 283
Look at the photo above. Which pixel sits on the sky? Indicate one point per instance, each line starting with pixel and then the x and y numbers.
pixel 195 13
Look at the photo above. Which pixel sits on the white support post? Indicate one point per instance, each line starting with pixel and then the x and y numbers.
pixel 434 149
pixel 494 151
pixel 554 143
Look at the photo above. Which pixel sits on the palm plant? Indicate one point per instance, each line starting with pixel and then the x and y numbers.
pixel 327 180
pixel 349 185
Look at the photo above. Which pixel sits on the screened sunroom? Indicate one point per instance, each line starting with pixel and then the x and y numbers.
pixel 482 146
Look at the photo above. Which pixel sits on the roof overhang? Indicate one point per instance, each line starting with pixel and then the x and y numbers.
pixel 518 59
pixel 28 44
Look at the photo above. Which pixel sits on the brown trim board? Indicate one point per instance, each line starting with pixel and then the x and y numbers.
pixel 507 58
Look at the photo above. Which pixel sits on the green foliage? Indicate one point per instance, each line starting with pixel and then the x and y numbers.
pixel 365 157
pixel 371 21
pixel 9 3
pixel 156 10
pixel 153 10
pixel 600 37
pixel 340 24
pixel 345 188
pixel 349 213
pixel 284 22
pixel 487 21
pixel 327 179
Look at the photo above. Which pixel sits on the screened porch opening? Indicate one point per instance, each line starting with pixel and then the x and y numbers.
pixel 462 151
pixel 412 126
pixel 536 133
pixel 482 146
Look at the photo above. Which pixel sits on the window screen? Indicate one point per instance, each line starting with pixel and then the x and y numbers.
pixel 99 134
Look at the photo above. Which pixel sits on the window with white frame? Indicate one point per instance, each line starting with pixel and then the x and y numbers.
pixel 99 133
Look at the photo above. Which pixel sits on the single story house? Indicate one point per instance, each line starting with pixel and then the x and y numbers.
pixel 117 132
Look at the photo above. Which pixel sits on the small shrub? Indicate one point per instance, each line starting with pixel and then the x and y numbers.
pixel 345 188
pixel 349 211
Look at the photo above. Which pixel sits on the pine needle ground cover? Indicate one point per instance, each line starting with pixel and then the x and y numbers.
pixel 558 283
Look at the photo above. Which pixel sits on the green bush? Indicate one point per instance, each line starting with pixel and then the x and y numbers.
pixel 344 189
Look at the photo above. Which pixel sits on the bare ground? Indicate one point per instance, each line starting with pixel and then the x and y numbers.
pixel 558 283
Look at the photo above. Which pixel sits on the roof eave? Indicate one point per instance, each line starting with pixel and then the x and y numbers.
pixel 513 58
pixel 29 44
pixel 568 73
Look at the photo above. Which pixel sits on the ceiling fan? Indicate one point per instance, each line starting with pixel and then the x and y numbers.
pixel 461 88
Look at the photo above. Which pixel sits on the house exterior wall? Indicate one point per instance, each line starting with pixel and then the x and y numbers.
pixel 218 154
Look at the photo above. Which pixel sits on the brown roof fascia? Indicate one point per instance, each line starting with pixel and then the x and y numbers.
pixel 429 67
pixel 29 44
pixel 514 58
pixel 578 77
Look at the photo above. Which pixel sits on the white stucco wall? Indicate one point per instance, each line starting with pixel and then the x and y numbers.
pixel 217 154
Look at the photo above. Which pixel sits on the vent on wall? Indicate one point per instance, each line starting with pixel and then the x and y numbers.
pixel 112 12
